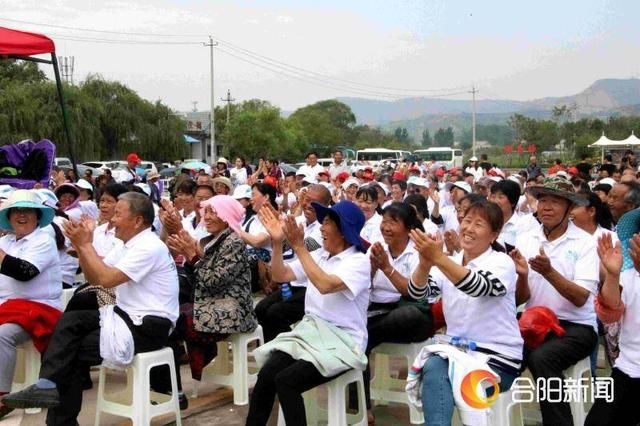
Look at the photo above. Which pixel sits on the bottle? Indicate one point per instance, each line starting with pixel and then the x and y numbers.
pixel 463 343
pixel 285 291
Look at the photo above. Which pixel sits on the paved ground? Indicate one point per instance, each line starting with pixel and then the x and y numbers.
pixel 215 407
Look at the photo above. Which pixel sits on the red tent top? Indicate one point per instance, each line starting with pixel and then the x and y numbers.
pixel 21 43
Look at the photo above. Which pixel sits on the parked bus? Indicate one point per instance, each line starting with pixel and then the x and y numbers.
pixel 448 157
pixel 373 156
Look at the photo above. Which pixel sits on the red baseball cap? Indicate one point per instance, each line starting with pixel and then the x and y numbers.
pixel 133 158
pixel 440 172
pixel 342 176
pixel 398 176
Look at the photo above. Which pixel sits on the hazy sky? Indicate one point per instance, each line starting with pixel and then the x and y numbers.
pixel 373 48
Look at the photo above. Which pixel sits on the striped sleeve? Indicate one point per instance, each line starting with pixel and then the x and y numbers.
pixel 421 293
pixel 481 283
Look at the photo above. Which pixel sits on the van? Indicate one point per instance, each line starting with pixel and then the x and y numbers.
pixel 448 157
pixel 374 156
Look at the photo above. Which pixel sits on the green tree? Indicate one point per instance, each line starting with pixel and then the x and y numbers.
pixel 426 139
pixel 325 124
pixel 19 72
pixel 444 137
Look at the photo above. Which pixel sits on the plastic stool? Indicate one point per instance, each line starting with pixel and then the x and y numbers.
pixel 66 295
pixel 501 413
pixel 336 402
pixel 141 410
pixel 29 359
pixel 389 389
pixel 576 372
pixel 238 377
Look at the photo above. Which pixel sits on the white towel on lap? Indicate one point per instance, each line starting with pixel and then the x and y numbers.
pixel 116 341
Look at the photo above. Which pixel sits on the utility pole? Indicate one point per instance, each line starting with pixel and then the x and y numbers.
pixel 212 126
pixel 473 121
pixel 66 66
pixel 195 106
pixel 228 100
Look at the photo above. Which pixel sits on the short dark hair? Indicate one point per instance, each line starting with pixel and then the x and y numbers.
pixel 420 203
pixel 311 153
pixel 139 205
pixel 493 214
pixel 187 187
pixel 510 189
pixel 401 183
pixel 114 190
pixel 404 213
pixel 368 193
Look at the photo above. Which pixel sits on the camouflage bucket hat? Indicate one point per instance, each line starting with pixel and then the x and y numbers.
pixel 558 187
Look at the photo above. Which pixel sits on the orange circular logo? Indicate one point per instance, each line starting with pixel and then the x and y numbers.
pixel 473 386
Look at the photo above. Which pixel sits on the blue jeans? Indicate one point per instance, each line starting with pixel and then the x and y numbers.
pixel 437 396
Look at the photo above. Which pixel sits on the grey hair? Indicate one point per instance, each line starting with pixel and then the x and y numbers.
pixel 139 205
pixel 633 195
pixel 323 192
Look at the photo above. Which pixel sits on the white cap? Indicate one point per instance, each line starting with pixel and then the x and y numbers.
pixel 310 180
pixel 242 191
pixel 384 187
pixel 145 188
pixel 351 181
pixel 422 182
pixel 301 172
pixel 563 174
pixel 462 185
pixel 412 180
pixel 83 184
pixel 607 181
pixel 474 158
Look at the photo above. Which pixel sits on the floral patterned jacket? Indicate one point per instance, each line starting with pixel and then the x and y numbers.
pixel 222 295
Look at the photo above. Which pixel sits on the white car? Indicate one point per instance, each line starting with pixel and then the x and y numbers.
pixel 101 165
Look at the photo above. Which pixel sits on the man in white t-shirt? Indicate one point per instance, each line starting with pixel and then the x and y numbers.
pixel 275 314
pixel 338 166
pixel 557 268
pixel 144 276
pixel 311 168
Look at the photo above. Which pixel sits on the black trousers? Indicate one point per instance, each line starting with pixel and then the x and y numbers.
pixel 404 324
pixel 554 356
pixel 75 347
pixel 289 379
pixel 623 410
pixel 276 315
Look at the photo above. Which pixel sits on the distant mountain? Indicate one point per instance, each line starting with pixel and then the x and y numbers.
pixel 604 98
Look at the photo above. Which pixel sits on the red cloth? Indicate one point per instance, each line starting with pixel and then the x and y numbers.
pixel 37 319
pixel 14 42
pixel 536 323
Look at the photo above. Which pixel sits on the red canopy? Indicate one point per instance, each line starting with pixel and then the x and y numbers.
pixel 22 43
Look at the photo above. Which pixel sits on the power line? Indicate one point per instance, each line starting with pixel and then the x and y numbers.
pixel 115 41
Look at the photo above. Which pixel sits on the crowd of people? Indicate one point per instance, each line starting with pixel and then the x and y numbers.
pixel 341 261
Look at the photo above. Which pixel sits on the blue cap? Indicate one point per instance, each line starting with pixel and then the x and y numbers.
pixel 348 216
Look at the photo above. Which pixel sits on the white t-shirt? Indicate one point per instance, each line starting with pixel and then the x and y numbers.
pixel 255 227
pixel 39 249
pixel 574 256
pixel 346 309
pixel 488 321
pixel 382 290
pixel 104 239
pixel 310 231
pixel 450 218
pixel 336 169
pixel 430 227
pixel 238 176
pixel 199 232
pixel 629 360
pixel 68 264
pixel 90 209
pixel 477 173
pixel 371 230
pixel 310 171
pixel 152 288
pixel 510 231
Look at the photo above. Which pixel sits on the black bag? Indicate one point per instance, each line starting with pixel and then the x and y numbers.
pixel 35 166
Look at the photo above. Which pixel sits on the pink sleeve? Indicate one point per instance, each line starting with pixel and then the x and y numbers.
pixel 608 314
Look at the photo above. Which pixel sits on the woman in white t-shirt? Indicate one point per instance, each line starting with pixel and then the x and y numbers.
pixel 239 173
pixel 618 301
pixel 367 200
pixel 332 337
pixel 254 233
pixel 478 287
pixel 392 316
pixel 30 281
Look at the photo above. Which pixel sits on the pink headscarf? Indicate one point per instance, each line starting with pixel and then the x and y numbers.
pixel 227 208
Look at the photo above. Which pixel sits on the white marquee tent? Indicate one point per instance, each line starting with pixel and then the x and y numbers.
pixel 604 142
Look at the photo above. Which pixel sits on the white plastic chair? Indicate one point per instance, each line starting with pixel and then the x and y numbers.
pixel 140 409
pixel 504 412
pixel 576 372
pixel 336 415
pixel 238 376
pixel 390 389
pixel 27 370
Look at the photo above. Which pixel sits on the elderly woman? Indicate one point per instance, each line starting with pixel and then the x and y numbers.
pixel 69 200
pixel 478 287
pixel 220 271
pixel 338 277
pixel 30 280
pixel 392 316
